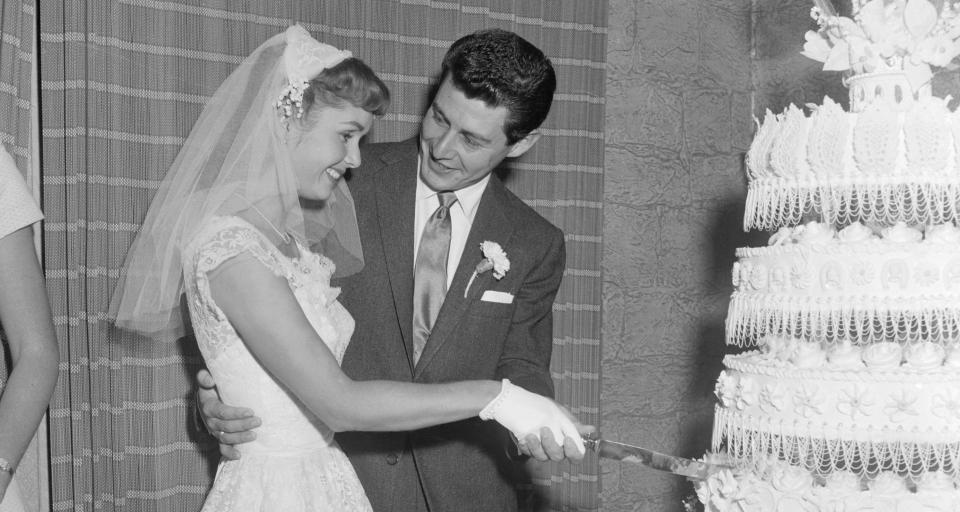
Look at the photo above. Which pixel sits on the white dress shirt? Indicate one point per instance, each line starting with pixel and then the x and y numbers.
pixel 462 214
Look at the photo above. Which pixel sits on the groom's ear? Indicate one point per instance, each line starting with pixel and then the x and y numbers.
pixel 521 146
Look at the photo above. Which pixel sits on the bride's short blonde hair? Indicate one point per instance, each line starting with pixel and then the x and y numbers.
pixel 351 81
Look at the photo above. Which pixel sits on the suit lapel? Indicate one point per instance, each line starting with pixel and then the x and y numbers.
pixel 492 223
pixel 396 200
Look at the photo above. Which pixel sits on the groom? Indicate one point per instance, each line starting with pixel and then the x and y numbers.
pixel 495 91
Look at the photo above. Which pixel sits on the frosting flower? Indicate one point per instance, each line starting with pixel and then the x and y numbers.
pixel 901 233
pixel 855 402
pixel 845 355
pixel 808 355
pixel 888 483
pixel 783 236
pixel 901 405
pixel 884 355
pixel 843 482
pixel 946 405
pixel 790 479
pixel 855 232
pixel 726 388
pixel 925 355
pixel 816 233
pixel 943 234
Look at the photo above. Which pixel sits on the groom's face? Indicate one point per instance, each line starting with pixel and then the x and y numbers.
pixel 462 140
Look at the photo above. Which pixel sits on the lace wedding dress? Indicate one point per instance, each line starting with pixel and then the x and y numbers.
pixel 294 464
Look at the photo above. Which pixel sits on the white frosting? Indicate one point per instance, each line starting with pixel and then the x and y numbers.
pixel 883 356
pixel 924 356
pixel 821 286
pixel 816 233
pixel 787 490
pixel 808 355
pixel 953 357
pixel 891 407
pixel 943 234
pixel 858 382
pixel 887 483
pixel 782 236
pixel 876 165
pixel 790 479
pixel 845 356
pixel 843 482
pixel 936 482
pixel 855 232
pixel 902 234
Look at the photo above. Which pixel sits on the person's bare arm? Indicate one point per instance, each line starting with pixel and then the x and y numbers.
pixel 27 322
pixel 274 328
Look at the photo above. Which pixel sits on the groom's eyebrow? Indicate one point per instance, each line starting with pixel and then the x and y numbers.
pixel 466 133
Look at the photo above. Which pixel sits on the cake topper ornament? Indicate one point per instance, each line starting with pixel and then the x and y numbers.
pixel 907 36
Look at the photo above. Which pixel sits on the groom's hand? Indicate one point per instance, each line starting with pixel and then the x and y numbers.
pixel 230 425
pixel 545 447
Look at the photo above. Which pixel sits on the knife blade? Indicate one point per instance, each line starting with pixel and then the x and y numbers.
pixel 689 468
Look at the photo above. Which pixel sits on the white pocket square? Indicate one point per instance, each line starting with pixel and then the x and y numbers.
pixel 495 296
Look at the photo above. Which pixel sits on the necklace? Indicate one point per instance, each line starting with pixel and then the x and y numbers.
pixel 284 236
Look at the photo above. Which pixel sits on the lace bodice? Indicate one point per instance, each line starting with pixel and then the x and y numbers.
pixel 240 379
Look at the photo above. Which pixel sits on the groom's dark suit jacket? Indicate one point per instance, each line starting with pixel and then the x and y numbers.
pixel 462 466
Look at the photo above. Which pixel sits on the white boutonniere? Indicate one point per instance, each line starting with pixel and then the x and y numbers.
pixel 494 258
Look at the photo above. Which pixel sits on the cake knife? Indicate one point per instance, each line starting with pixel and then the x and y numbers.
pixel 689 468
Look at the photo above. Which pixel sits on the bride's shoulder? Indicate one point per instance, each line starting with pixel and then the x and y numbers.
pixel 223 237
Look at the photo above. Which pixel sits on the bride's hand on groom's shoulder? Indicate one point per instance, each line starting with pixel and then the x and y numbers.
pixel 229 425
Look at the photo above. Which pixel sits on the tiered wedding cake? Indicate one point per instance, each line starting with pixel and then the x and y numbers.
pixel 851 399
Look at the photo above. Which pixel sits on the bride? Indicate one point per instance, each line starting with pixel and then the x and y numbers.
pixel 228 228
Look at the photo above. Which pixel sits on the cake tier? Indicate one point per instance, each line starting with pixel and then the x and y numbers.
pixel 784 488
pixel 878 165
pixel 816 283
pixel 833 417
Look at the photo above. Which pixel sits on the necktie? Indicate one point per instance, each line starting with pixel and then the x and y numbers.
pixel 430 272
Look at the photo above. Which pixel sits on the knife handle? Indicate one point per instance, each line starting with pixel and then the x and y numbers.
pixel 591 444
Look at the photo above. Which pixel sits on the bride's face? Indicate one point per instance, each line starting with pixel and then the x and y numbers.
pixel 325 145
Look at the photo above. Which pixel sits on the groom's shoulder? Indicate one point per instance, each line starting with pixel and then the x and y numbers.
pixel 378 157
pixel 523 215
pixel 379 154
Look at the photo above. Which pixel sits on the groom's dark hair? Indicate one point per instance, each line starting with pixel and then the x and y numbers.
pixel 503 69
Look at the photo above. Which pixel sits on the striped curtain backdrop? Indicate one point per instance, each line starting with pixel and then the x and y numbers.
pixel 122 83
pixel 17 20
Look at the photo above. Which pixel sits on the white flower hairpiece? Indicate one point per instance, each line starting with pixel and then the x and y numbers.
pixel 303 59
pixel 494 258
pixel 291 99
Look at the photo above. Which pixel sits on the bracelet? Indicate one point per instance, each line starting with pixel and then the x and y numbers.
pixel 489 410
pixel 5 466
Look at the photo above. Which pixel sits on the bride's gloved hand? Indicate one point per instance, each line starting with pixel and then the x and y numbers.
pixel 530 417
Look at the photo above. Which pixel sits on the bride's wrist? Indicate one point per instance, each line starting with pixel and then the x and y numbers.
pixel 489 410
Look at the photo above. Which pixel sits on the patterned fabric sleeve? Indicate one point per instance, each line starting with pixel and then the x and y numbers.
pixel 17 206
pixel 220 242
pixel 224 239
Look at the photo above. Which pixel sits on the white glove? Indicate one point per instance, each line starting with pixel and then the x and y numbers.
pixel 524 413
